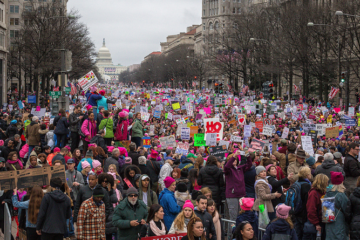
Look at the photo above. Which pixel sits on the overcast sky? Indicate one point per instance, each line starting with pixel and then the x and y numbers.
pixel 135 28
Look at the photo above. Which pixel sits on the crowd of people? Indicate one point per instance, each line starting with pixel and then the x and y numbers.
pixel 123 182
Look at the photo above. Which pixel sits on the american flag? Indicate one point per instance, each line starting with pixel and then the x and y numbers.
pixel 56 89
pixel 296 88
pixel 229 86
pixel 333 92
pixel 73 89
pixel 194 84
pixel 245 88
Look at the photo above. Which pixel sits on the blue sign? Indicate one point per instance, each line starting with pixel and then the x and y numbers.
pixel 350 122
pixel 20 104
pixel 31 99
pixel 157 114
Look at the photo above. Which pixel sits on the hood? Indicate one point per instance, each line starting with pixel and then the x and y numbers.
pixel 211 170
pixel 163 192
pixel 33 123
pixel 43 131
pixel 58 196
pixel 328 164
pixel 249 216
pixel 357 192
pixel 182 195
pixel 140 186
pixel 186 160
pixel 280 225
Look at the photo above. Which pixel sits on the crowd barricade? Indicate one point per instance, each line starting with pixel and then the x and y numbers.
pixel 7 223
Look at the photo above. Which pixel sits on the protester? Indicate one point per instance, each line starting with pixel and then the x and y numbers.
pixel 61 130
pixel 155 222
pixel 32 133
pixel 294 167
pixel 147 195
pixel 244 231
pixel 351 168
pixel 352 212
pixel 211 209
pixel 206 218
pixel 88 128
pixel 329 166
pixel 183 218
pixel 195 230
pixel 168 201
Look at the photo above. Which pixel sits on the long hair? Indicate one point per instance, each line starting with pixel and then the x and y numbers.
pixel 210 203
pixel 113 166
pixel 320 183
pixel 288 220
pixel 239 228
pixel 212 160
pixel 190 228
pixel 180 219
pixel 193 175
pixel 199 162
pixel 152 211
pixel 34 205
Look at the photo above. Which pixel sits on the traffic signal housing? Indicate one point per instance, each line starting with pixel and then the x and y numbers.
pixel 343 77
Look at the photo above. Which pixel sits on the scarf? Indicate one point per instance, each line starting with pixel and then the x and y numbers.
pixel 156 230
pixel 186 221
pixel 216 220
pixel 17 161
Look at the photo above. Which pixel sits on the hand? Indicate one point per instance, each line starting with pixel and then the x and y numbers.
pixel 318 228
pixel 143 221
pixel 76 184
pixel 210 236
pixel 176 232
pixel 15 191
pixel 134 223
pixel 237 153
pixel 38 232
pixel 277 194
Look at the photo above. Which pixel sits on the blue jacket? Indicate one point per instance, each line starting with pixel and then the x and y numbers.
pixel 249 177
pixel 102 103
pixel 93 99
pixel 79 167
pixel 185 162
pixel 171 209
pixel 279 227
pixel 23 205
pixel 252 218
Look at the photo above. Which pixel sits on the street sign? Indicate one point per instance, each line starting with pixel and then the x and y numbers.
pixel 67 90
pixel 55 94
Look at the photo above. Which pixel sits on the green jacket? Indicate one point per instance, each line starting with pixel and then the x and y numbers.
pixel 109 127
pixel 150 200
pixel 26 123
pixel 137 129
pixel 123 214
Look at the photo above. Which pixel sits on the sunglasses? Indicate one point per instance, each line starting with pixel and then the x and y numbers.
pixel 132 195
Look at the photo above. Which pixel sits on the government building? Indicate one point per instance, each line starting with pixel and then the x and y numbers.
pixel 107 69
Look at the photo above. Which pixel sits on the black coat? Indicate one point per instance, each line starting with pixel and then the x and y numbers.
pixel 352 214
pixel 58 157
pixel 100 142
pixel 276 187
pixel 208 223
pixel 55 208
pixel 12 130
pixel 144 170
pixel 351 166
pixel 61 124
pixel 7 198
pixel 154 170
pixel 305 188
pixel 135 157
pixel 212 177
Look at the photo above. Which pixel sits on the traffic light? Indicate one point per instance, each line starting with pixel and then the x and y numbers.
pixel 271 85
pixel 195 77
pixel 220 88
pixel 271 92
pixel 343 77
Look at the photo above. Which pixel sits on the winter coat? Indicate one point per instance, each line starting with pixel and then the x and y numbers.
pixel 109 161
pixel 55 208
pixel 72 177
pixel 212 177
pixel 234 178
pixel 89 129
pixel 282 157
pixel 329 166
pixel 208 223
pixel 108 122
pixel 171 209
pixel 305 188
pixel 277 187
pixel 313 207
pixel 165 171
pixel 181 197
pixel 294 168
pixel 339 229
pixel 102 102
pixel 58 157
pixel 99 141
pixel 124 213
pixel 93 98
pixel 74 122
pixel 62 125
pixel 186 163
pixel 249 178
pixel 154 169
pixel 6 197
pixel 351 166
pixel 11 131
pixel 151 195
pixel 137 129
pixel 263 195
pixel 174 229
pixel 32 133
pixel 121 131
pixel 278 230
pixel 353 214
pixel 10 167
pixel 135 157
pixel 252 218
pixel 43 137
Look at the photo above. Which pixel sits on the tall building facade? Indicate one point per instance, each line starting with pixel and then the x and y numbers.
pixel 3 50
pixel 107 69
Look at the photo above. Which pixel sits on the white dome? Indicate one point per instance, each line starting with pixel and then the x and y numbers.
pixel 104 56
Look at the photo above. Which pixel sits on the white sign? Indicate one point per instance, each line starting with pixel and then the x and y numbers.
pixel 267 131
pixel 321 128
pixel 185 133
pixel 307 127
pixel 213 125
pixel 167 142
pixel 247 131
pixel 307 145
pixel 145 116
pixel 170 116
pixel 88 80
pixel 285 133
pixel 235 138
pixel 351 111
pixel 226 143
pixel 152 129
pixel 211 139
pixel 40 113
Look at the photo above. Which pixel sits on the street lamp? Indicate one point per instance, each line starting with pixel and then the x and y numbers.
pixel 340 13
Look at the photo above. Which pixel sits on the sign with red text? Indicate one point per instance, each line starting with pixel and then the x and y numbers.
pixel 213 125
pixel 166 237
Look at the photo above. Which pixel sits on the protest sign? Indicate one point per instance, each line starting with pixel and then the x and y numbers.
pixel 152 129
pixel 307 145
pixel 176 106
pixel 313 135
pixel 267 131
pixel 247 131
pixel 146 142
pixel 218 151
pixel 40 113
pixel 166 237
pixel 307 127
pixel 87 81
pixel 211 139
pixel 332 132
pixel 182 148
pixel 170 116
pixel 259 125
pixel 166 142
pixel 185 133
pixel 256 145
pixel 285 133
pixel 179 127
pixel 241 119
pixel 157 114
pixel 31 99
pixel 213 125
pixel 199 140
pixel 320 128
pixel 145 116
pixel 350 122
pixel 235 138
pixel 351 111
pixel 226 143
pixel 193 130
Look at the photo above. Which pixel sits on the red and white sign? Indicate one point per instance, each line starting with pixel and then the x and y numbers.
pixel 259 125
pixel 166 237
pixel 296 88
pixel 267 121
pixel 241 119
pixel 333 92
pixel 88 80
pixel 213 125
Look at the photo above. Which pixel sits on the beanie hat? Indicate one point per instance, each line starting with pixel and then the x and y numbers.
pixel 98 191
pixel 168 181
pixel 259 169
pixel 89 153
pixel 55 182
pixel 337 155
pixel 310 161
pixel 93 89
pixel 56 149
pixel 282 211
pixel 96 164
pixel 246 204
pixel 88 107
pixel 1 142
pixel 188 204
pixel 130 115
pixel 181 187
pixel 123 151
pixel 122 114
pixel 128 160
pixel 336 178
pixel 132 190
pixel 269 166
pixel 102 92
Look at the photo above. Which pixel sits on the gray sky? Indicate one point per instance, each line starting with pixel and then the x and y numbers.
pixel 135 28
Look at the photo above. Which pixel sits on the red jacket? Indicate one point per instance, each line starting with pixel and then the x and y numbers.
pixel 313 206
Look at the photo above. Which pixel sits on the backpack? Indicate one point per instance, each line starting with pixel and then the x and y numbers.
pixel 293 198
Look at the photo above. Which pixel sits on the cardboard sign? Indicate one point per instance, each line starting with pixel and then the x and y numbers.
pixel 213 125
pixel 30 177
pixel 211 139
pixel 199 140
pixel 166 237
pixel 256 145
pixel 193 130
pixel 169 141
pixel 218 151
pixel 332 132
pixel 285 133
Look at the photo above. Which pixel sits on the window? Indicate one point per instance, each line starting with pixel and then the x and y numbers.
pixel 216 25
pixel 204 26
pixel 204 12
pixel 234 10
pixel 14 21
pixel 204 2
pixel 2 39
pixel 239 10
pixel 211 26
pixel 28 8
pixel 224 9
pixel 239 1
pixel 42 0
pixel 14 33
pixel 14 9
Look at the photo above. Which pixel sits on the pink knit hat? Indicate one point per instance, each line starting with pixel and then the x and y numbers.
pixel 96 164
pixel 246 204
pixel 102 92
pixel 88 107
pixel 168 181
pixel 1 142
pixel 282 211
pixel 269 166
pixel 122 114
pixel 56 149
pixel 85 164
pixel 188 204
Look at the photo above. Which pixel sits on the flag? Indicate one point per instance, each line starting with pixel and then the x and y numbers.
pixel 333 92
pixel 194 84
pixel 73 89
pixel 296 88
pixel 341 131
pixel 56 89
pixel 245 88
pixel 229 86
